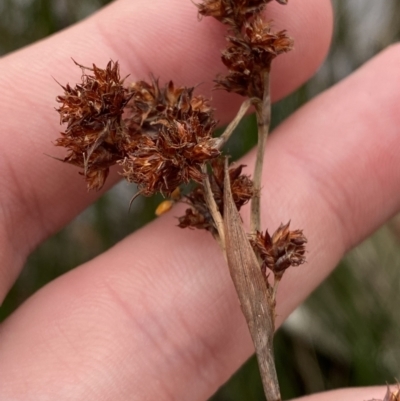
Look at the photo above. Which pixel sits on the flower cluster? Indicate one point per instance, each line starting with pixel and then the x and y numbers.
pixel 93 111
pixel 249 55
pixel 171 133
pixel 283 249
pixel 252 44
pixel 198 215
pixel 159 136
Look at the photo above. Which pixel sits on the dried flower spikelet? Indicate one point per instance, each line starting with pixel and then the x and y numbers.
pixel 265 43
pixel 284 249
pixel 247 57
pixel 169 158
pixel 151 106
pixel 93 112
pixel 242 188
pixel 233 12
pixel 170 133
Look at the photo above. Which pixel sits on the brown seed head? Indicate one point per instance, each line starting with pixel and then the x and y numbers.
pixel 160 136
pixel 249 55
pixel 265 43
pixel 170 137
pixel 160 162
pixel 150 106
pixel 284 249
pixel 242 186
pixel 93 111
pixel 242 189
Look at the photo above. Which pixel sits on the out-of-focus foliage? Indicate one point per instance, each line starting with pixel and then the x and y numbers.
pixel 347 333
pixel 25 21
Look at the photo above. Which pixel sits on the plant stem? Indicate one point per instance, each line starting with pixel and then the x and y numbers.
pixel 213 208
pixel 260 315
pixel 263 113
pixel 255 299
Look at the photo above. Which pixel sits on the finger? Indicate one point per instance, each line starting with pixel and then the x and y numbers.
pixel 39 194
pixel 157 316
pixel 347 158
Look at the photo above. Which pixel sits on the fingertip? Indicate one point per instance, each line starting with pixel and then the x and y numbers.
pixel 310 24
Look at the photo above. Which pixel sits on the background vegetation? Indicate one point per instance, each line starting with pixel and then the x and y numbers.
pixel 354 339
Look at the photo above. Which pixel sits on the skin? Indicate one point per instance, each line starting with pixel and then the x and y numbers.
pixel 156 317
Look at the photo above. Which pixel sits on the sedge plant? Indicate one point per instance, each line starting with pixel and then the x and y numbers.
pixel 162 138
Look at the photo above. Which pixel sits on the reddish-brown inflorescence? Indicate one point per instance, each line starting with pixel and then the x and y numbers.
pixel 151 105
pixel 198 216
pixel 160 136
pixel 283 249
pixel 249 55
pixel 93 112
pixel 252 44
pixel 172 137
pixel 173 157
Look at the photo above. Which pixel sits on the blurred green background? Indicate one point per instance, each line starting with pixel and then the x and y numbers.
pixel 353 339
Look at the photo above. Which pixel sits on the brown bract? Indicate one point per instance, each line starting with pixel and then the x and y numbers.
pixel 284 249
pixel 252 44
pixel 249 55
pixel 242 189
pixel 93 112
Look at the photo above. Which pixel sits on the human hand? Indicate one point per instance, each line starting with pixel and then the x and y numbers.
pixel 156 317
